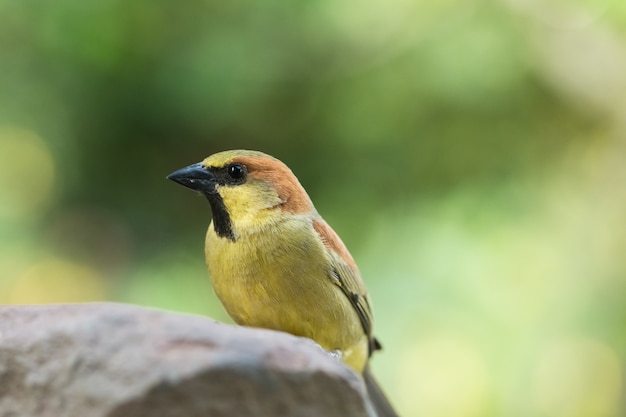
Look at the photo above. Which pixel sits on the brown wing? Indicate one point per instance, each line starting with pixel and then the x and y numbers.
pixel 346 275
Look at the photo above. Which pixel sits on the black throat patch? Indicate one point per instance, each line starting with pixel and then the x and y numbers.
pixel 221 219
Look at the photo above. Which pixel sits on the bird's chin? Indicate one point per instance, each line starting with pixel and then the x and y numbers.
pixel 210 191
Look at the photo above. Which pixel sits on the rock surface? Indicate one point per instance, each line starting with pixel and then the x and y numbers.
pixel 115 360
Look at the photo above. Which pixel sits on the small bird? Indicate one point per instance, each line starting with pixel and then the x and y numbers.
pixel 275 263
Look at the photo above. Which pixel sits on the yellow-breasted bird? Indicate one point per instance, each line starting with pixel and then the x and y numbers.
pixel 275 263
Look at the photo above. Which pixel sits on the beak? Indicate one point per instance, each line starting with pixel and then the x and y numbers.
pixel 196 177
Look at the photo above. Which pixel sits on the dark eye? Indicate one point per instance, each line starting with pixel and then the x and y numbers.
pixel 236 171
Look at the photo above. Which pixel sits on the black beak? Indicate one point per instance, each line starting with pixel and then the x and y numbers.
pixel 196 177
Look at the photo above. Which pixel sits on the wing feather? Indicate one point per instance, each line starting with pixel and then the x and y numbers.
pixel 345 274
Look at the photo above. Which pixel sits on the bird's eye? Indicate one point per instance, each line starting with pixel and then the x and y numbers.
pixel 236 171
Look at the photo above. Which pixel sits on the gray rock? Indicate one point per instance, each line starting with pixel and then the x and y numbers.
pixel 115 360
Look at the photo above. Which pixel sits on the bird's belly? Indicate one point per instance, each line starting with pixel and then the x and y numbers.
pixel 276 290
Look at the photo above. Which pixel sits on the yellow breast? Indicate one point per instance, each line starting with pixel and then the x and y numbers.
pixel 280 278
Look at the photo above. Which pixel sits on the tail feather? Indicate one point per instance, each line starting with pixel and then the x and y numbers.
pixel 378 398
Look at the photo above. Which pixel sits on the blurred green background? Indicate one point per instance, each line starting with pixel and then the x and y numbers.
pixel 472 155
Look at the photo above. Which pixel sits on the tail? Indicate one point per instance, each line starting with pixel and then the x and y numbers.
pixel 378 398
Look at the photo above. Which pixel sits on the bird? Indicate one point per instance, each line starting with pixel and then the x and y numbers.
pixel 275 263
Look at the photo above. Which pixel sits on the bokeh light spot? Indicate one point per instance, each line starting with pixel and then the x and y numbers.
pixel 577 378
pixel 27 173
pixel 443 377
pixel 56 281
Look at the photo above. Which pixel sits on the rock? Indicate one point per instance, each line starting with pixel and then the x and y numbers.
pixel 116 360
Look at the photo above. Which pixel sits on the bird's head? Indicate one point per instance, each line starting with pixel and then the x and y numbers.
pixel 247 190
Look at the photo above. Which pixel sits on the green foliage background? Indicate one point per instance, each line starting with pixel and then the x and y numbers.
pixel 470 153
